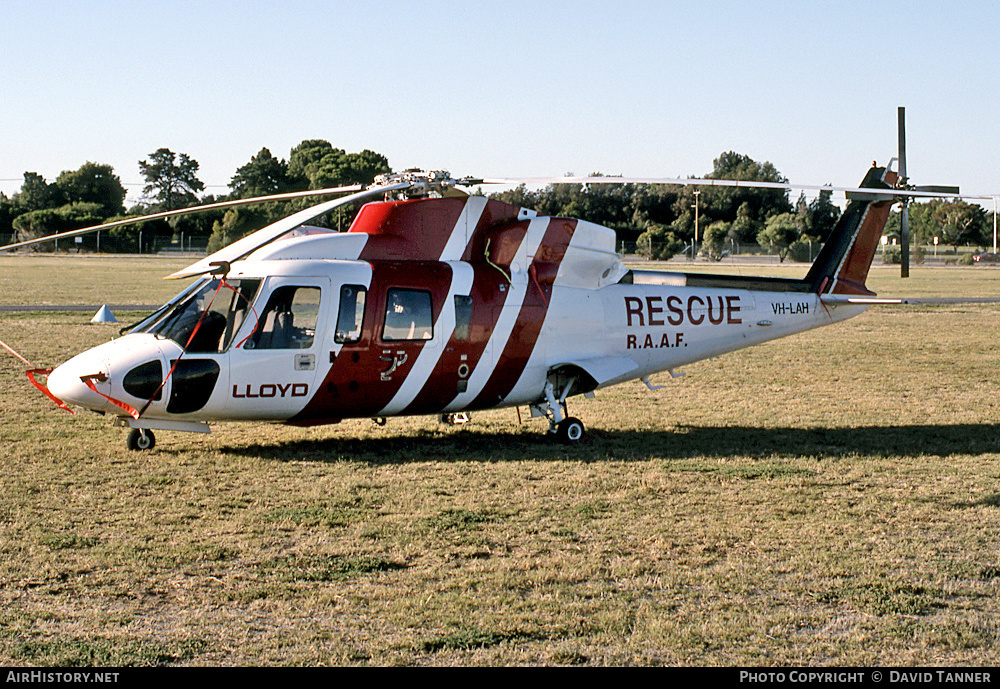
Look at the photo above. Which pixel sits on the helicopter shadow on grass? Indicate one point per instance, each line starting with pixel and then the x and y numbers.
pixel 673 443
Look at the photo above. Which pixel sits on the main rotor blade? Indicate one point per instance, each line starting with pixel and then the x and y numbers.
pixel 694 181
pixel 939 189
pixel 184 211
pixel 243 247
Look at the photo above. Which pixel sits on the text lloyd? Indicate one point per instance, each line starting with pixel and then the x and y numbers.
pixel 273 390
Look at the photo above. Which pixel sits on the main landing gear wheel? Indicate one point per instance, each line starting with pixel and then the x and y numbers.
pixel 570 431
pixel 141 439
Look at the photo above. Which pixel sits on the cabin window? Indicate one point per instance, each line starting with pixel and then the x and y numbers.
pixel 145 380
pixel 408 315
pixel 288 321
pixel 193 383
pixel 463 316
pixel 351 314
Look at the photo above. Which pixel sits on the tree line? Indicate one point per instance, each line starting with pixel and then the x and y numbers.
pixel 662 220
pixel 94 194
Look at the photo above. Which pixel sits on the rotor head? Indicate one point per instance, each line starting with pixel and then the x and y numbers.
pixel 423 184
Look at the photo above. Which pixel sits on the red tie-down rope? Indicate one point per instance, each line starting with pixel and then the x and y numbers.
pixel 100 377
pixel 45 391
pixel 89 382
pixel 32 372
pixel 2 344
pixel 222 283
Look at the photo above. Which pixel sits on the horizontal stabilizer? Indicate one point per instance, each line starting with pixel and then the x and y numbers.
pixel 847 299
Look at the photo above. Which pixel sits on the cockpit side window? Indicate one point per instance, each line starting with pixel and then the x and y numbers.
pixel 242 296
pixel 351 314
pixel 289 319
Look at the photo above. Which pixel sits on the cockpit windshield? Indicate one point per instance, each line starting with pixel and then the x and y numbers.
pixel 220 313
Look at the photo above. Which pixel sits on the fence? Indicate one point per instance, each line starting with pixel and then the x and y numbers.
pixel 103 243
pixel 733 249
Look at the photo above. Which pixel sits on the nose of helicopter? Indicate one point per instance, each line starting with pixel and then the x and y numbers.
pixel 66 381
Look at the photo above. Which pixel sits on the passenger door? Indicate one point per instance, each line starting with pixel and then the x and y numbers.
pixel 273 365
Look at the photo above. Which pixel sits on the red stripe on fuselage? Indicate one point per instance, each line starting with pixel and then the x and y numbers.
pixel 511 363
pixel 419 230
pixel 489 295
pixel 442 386
pixel 415 230
pixel 359 382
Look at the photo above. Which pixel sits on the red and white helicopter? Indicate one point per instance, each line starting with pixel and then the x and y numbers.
pixel 436 302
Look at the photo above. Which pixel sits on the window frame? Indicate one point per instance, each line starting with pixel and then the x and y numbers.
pixel 424 314
pixel 341 335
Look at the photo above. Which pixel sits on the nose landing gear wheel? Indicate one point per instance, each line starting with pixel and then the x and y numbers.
pixel 570 431
pixel 141 439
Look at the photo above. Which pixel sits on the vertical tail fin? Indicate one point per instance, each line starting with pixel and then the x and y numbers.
pixel 842 266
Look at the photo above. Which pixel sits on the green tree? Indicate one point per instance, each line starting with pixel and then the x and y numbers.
pixel 961 222
pixel 93 183
pixel 316 164
pixel 363 167
pixel 653 203
pixel 923 227
pixel 170 179
pixel 683 224
pixel 239 222
pixel 313 164
pixel 37 194
pixel 779 232
pixel 745 228
pixel 722 203
pixel 631 210
pixel 306 159
pixel 822 215
pixel 717 237
pixel 46 221
pixel 263 175
pixel 659 243
pixel 804 249
pixel 8 211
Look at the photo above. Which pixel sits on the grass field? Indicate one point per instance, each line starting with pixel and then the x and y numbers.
pixel 828 499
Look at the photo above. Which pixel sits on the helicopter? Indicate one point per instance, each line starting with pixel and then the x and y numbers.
pixel 437 302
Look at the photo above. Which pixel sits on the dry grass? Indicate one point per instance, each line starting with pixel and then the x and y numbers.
pixel 73 279
pixel 829 499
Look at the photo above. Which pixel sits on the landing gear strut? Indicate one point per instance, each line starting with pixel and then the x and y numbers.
pixel 567 429
pixel 141 439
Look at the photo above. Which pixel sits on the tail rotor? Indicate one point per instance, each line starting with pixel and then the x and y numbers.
pixel 903 183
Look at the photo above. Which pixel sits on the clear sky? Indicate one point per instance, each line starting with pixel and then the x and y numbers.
pixel 505 88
